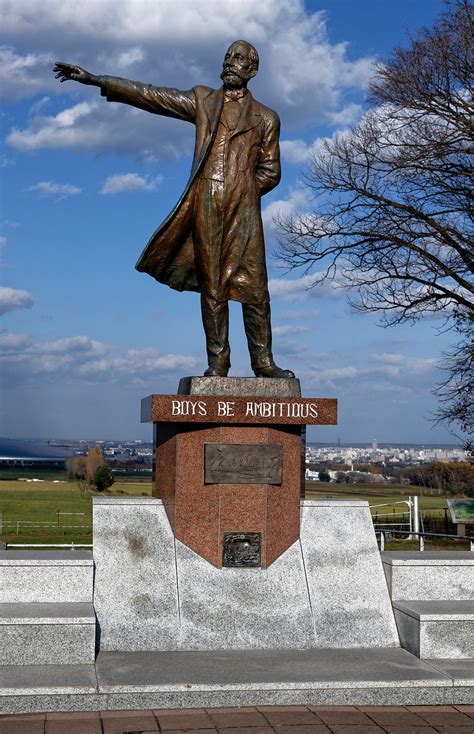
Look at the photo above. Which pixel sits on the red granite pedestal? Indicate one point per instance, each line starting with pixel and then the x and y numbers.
pixel 219 497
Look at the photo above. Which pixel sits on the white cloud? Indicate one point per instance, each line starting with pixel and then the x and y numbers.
pixel 3 241
pixel 387 358
pixel 295 151
pixel 339 373
pixel 348 115
pixel 57 131
pixel 386 373
pixel 299 152
pixel 122 182
pixel 310 313
pixel 129 57
pixel 24 75
pixel 289 330
pixel 138 363
pixel 49 188
pixel 74 345
pixel 5 162
pixel 396 363
pixel 99 127
pixel 303 75
pixel 12 299
pixel 297 201
pixel 299 289
pixel 81 358
pixel 12 342
pixel 139 20
pixel 39 105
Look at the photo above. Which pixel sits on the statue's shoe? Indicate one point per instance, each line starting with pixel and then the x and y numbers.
pixel 215 371
pixel 274 371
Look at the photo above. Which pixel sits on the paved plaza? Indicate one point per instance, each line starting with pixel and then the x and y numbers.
pixel 253 720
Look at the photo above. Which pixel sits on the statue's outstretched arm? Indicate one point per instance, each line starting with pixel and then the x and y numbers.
pixel 159 100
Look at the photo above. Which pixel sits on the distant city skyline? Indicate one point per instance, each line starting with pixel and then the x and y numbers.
pixel 139 454
pixel 6 444
pixel 85 336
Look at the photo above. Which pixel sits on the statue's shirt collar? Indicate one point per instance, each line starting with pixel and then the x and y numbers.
pixel 235 95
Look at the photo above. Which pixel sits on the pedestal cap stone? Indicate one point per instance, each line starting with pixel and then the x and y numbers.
pixel 242 386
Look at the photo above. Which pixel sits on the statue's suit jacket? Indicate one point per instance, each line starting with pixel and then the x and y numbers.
pixel 253 169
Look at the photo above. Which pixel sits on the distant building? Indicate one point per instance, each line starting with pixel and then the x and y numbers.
pixel 31 455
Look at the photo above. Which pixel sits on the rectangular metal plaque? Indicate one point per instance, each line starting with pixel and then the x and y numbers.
pixel 241 550
pixel 242 463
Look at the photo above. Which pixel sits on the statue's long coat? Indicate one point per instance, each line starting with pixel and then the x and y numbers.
pixel 252 169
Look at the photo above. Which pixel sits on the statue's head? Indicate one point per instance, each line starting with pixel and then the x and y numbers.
pixel 240 64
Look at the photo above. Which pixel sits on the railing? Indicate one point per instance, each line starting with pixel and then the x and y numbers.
pixel 413 523
pixel 16 526
pixel 385 534
pixel 70 546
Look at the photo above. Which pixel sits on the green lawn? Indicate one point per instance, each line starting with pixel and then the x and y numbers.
pixel 377 494
pixel 49 473
pixel 36 512
pixel 32 511
pixel 390 496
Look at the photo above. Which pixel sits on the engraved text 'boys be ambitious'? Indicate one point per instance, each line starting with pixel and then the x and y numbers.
pixel 262 409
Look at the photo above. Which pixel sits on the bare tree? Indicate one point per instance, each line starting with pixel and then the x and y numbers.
pixel 392 216
pixel 456 390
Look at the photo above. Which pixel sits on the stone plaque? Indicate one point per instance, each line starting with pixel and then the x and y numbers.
pixel 251 410
pixel 242 463
pixel 241 550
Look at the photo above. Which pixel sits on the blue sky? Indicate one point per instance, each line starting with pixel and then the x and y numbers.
pixel 85 183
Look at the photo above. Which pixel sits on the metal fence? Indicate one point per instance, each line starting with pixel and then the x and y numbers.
pixel 21 527
pixel 385 535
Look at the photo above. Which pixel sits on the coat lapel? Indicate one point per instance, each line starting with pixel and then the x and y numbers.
pixel 213 106
pixel 250 117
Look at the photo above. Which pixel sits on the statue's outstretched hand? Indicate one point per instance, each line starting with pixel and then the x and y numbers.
pixel 66 72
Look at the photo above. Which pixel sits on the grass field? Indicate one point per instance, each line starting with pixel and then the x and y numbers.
pixel 377 494
pixel 390 497
pixel 40 512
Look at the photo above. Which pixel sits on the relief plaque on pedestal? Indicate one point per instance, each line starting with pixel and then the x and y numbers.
pixel 241 550
pixel 242 463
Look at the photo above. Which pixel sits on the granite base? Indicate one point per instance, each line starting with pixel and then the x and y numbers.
pixel 153 593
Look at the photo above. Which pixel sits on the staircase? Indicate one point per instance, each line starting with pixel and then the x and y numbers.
pixel 433 602
pixel 46 611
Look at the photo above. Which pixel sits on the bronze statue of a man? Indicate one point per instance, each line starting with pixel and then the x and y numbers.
pixel 212 241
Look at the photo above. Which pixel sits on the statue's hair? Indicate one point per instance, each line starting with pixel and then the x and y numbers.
pixel 253 53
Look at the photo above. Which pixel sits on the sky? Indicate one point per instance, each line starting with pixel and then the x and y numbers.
pixel 85 183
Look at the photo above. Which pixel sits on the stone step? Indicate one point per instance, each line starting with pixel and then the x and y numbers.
pixel 167 679
pixel 436 629
pixel 430 575
pixel 47 634
pixel 46 576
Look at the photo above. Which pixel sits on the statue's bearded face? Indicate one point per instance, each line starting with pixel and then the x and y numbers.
pixel 238 67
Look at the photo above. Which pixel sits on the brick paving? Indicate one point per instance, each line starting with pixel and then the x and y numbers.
pixel 253 720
